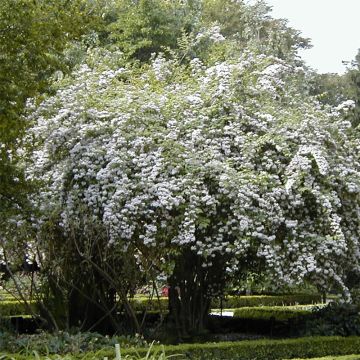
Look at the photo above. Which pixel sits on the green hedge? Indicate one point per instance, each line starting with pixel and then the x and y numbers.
pixel 257 349
pixel 346 357
pixel 7 297
pixel 14 307
pixel 233 302
pixel 266 349
pixel 278 313
pixel 144 303
pixel 244 350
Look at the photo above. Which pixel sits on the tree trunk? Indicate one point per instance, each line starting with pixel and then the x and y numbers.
pixel 189 300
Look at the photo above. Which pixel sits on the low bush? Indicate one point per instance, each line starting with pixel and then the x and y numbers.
pixel 152 353
pixel 334 319
pixel 63 342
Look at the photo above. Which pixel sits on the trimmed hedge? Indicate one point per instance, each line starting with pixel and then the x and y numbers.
pixel 144 303
pixel 233 302
pixel 277 313
pixel 303 348
pixel 346 357
pixel 269 349
pixel 11 308
pixel 14 307
pixel 257 349
pixel 7 297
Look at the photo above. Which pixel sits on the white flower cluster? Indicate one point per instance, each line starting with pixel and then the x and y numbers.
pixel 212 33
pixel 205 160
pixel 346 105
pixel 271 78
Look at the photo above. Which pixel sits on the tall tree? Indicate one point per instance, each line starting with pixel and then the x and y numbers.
pixel 33 35
pixel 353 78
pixel 146 27
pixel 141 28
pixel 35 43
pixel 252 26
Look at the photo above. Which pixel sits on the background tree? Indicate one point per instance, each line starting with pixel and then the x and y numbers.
pixel 33 36
pixel 353 91
pixel 140 28
pixel 251 26
pixel 334 89
pixel 36 42
pixel 330 89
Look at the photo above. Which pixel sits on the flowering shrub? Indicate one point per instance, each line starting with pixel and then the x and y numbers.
pixel 223 159
pixel 227 162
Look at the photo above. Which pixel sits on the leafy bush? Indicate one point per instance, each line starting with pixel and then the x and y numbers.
pixel 151 354
pixel 335 319
pixel 63 342
pixel 156 354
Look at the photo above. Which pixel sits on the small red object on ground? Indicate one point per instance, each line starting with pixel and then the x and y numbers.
pixel 165 291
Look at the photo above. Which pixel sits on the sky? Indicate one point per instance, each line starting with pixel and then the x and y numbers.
pixel 332 25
